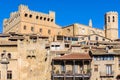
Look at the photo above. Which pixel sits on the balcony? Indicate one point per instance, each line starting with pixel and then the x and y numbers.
pixel 105 74
pixel 71 74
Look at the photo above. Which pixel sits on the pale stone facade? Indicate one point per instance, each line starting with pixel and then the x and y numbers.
pixel 32 40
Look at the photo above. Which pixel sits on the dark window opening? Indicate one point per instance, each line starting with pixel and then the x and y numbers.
pixel 40 30
pixel 37 17
pixel 30 16
pixel 9 74
pixel 26 14
pixel 32 28
pixel 40 18
pixel 52 20
pixel 48 19
pixel 44 18
pixel 49 31
pixel 24 27
pixel 113 19
pixel 9 55
pixel 108 18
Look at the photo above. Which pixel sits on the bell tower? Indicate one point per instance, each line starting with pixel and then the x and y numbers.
pixel 111 25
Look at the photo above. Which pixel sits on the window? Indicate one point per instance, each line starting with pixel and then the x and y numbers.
pixel 2 55
pixel 48 19
pixel 113 19
pixel 32 28
pixel 51 20
pixel 88 37
pixel 62 68
pixel 26 14
pixel 40 30
pixel 108 69
pixel 9 74
pixel 37 17
pixel 68 30
pixel 49 31
pixel 9 55
pixel 30 16
pixel 66 45
pixel 108 18
pixel 45 18
pixel 96 38
pixel 40 18
pixel 96 68
pixel 103 39
pixel 24 27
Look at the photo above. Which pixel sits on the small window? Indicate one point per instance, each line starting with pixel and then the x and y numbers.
pixel 68 30
pixel 40 30
pixel 9 74
pixel 24 27
pixel 88 37
pixel 32 28
pixel 49 31
pixel 96 68
pixel 37 17
pixel 40 18
pixel 103 39
pixel 48 19
pixel 26 14
pixel 45 18
pixel 96 38
pixel 66 45
pixel 108 18
pixel 2 55
pixel 30 16
pixel 52 45
pixel 9 55
pixel 113 19
pixel 52 20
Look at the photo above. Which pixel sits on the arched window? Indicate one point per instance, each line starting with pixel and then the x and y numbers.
pixel 108 18
pixel 9 55
pixel 113 19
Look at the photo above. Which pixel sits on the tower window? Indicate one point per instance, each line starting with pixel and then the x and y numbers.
pixel 40 18
pixel 26 14
pixel 51 20
pixel 32 28
pixel 48 19
pixel 37 17
pixel 9 74
pixel 108 18
pixel 30 16
pixel 45 18
pixel 113 19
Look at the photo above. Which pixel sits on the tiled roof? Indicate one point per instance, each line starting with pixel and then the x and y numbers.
pixel 74 56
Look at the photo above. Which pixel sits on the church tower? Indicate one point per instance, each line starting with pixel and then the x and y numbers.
pixel 111 25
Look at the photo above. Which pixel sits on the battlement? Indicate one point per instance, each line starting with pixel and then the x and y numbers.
pixel 112 12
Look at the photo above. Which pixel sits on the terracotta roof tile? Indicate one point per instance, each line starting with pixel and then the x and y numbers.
pixel 74 56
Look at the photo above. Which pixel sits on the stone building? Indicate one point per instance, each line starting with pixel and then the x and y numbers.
pixel 34 47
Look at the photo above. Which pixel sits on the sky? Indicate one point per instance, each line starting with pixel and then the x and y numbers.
pixel 67 11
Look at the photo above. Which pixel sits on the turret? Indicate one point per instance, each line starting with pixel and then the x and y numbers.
pixel 111 25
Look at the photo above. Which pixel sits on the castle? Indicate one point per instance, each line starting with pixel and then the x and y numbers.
pixel 34 47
